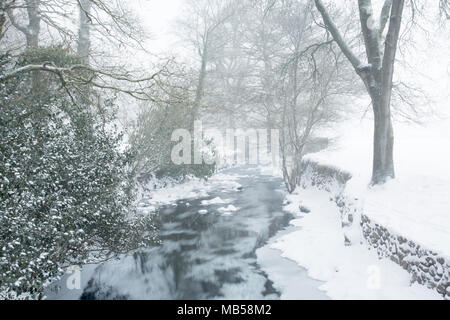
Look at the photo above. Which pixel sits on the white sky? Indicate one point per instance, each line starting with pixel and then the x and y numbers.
pixel 158 17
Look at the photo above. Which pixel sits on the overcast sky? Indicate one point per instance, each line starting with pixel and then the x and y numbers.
pixel 158 17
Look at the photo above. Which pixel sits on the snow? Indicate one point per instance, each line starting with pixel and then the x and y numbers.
pixel 348 272
pixel 271 170
pixel 192 189
pixel 228 210
pixel 291 280
pixel 416 204
pixel 203 257
pixel 216 200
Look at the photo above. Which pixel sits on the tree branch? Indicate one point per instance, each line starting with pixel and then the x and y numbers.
pixel 384 17
pixel 15 24
pixel 331 27
pixel 370 34
pixel 391 42
pixel 72 76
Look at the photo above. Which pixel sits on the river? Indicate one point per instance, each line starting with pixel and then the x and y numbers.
pixel 208 249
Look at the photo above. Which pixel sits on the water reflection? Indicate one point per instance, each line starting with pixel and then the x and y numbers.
pixel 203 256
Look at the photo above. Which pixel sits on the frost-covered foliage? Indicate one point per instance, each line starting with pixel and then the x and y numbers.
pixel 64 184
pixel 151 141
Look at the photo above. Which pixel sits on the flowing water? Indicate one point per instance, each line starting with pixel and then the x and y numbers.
pixel 203 255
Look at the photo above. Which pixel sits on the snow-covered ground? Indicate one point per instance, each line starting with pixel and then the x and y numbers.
pixel 317 244
pixel 416 204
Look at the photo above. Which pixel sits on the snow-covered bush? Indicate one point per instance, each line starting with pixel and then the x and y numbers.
pixel 64 185
pixel 151 141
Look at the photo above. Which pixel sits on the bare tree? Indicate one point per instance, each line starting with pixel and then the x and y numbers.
pixel 111 18
pixel 32 29
pixel 202 25
pixel 287 83
pixel 29 17
pixel 377 73
pixel 308 83
pixel 4 7
pixel 444 7
pixel 264 36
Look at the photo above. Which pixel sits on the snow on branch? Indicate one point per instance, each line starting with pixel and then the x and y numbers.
pixel 85 75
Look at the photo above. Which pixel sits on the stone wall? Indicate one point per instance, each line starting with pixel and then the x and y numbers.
pixel 425 266
pixel 324 177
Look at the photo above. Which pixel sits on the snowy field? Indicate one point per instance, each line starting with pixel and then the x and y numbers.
pixel 317 244
pixel 416 204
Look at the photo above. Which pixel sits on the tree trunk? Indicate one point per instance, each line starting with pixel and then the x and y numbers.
pixel 377 76
pixel 32 30
pixel 2 22
pixel 84 43
pixel 200 85
pixel 32 38
pixel 34 23
pixel 383 145
pixel 383 160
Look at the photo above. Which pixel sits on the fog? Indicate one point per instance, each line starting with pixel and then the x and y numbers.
pixel 136 130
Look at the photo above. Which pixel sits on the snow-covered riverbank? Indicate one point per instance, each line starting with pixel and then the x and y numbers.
pixel 416 204
pixel 347 272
